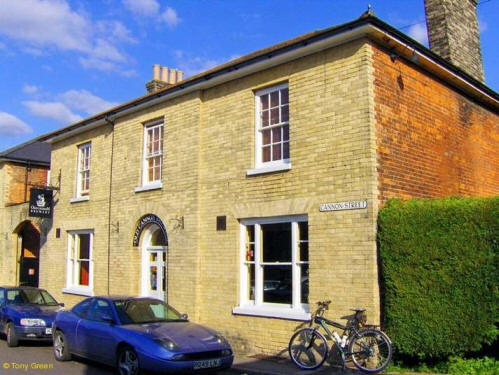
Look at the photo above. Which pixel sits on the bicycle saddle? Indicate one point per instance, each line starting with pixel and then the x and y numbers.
pixel 358 310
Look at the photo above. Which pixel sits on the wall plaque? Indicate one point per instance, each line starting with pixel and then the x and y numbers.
pixel 341 206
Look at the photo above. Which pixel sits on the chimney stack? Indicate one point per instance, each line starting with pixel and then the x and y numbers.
pixel 453 32
pixel 163 77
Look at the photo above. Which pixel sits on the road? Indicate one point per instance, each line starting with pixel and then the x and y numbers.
pixel 37 358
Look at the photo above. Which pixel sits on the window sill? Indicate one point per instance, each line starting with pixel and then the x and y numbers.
pixel 78 291
pixel 79 199
pixel 155 186
pixel 268 169
pixel 273 312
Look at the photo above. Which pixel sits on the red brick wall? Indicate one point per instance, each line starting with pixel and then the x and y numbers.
pixel 15 180
pixel 431 140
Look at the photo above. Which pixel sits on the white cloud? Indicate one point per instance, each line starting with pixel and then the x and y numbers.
pixel 116 31
pixel 30 89
pixel 419 32
pixel 152 9
pixel 54 110
pixel 84 100
pixel 482 26
pixel 11 126
pixel 191 65
pixel 147 8
pixel 67 107
pixel 43 25
pixel 170 17
pixel 50 22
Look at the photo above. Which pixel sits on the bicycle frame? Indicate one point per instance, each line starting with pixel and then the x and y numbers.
pixel 350 329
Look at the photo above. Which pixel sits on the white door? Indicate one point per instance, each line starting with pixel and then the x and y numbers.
pixel 154 272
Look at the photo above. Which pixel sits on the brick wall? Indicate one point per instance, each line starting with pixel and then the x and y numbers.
pixel 208 147
pixel 15 179
pixel 431 140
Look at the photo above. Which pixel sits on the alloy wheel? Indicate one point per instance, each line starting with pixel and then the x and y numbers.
pixel 59 346
pixel 128 362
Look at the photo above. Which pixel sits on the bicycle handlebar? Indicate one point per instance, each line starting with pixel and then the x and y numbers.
pixel 323 304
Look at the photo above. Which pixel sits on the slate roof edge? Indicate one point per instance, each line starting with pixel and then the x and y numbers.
pixel 262 54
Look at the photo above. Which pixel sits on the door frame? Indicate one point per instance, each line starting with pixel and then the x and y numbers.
pixel 146 250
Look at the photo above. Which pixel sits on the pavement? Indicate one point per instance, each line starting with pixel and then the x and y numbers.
pixel 37 358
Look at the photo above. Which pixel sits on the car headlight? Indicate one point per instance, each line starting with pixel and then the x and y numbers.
pixel 33 322
pixel 221 340
pixel 167 344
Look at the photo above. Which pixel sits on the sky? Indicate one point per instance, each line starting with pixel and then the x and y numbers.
pixel 64 60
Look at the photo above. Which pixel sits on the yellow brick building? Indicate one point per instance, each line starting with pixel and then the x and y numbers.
pixel 242 195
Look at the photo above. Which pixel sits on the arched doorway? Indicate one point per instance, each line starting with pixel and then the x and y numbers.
pixel 154 262
pixel 29 257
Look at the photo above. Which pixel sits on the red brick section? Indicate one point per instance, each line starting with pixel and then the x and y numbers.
pixel 431 140
pixel 16 174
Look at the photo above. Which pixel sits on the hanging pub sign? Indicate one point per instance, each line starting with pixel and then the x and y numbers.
pixel 40 203
pixel 144 222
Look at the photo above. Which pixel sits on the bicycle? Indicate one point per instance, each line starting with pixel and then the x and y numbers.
pixel 369 348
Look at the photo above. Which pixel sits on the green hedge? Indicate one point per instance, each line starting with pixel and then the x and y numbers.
pixel 439 273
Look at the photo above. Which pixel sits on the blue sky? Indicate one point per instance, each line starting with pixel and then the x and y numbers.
pixel 64 60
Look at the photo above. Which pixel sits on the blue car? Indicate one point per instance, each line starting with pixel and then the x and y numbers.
pixel 134 334
pixel 26 313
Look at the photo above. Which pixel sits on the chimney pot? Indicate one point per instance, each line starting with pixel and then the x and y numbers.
pixel 163 77
pixel 155 71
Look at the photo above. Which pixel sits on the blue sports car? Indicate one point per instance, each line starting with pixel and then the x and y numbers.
pixel 134 334
pixel 26 313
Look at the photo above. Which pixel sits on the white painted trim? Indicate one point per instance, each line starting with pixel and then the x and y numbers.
pixel 145 275
pixel 79 291
pixel 71 269
pixel 269 166
pixel 258 307
pixel 273 312
pixel 153 186
pixel 274 219
pixel 79 199
pixel 158 123
pixel 81 147
pixel 281 167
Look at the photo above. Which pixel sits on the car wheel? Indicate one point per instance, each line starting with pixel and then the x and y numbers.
pixel 61 349
pixel 127 362
pixel 12 339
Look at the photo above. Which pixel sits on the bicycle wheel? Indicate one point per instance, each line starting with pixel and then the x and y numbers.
pixel 308 348
pixel 371 350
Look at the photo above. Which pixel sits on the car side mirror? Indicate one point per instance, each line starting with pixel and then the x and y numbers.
pixel 184 316
pixel 61 304
pixel 107 318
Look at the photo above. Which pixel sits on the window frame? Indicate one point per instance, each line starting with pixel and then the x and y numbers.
pixel 159 123
pixel 295 311
pixel 80 193
pixel 72 284
pixel 273 165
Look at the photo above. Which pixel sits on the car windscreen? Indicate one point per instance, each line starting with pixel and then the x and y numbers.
pixel 140 311
pixel 33 296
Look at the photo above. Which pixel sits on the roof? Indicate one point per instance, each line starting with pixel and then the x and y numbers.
pixel 32 152
pixel 366 26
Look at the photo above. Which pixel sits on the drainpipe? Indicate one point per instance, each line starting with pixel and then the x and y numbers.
pixel 28 168
pixel 109 225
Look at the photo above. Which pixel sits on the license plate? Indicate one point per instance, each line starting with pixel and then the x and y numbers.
pixel 209 363
pixel 48 331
